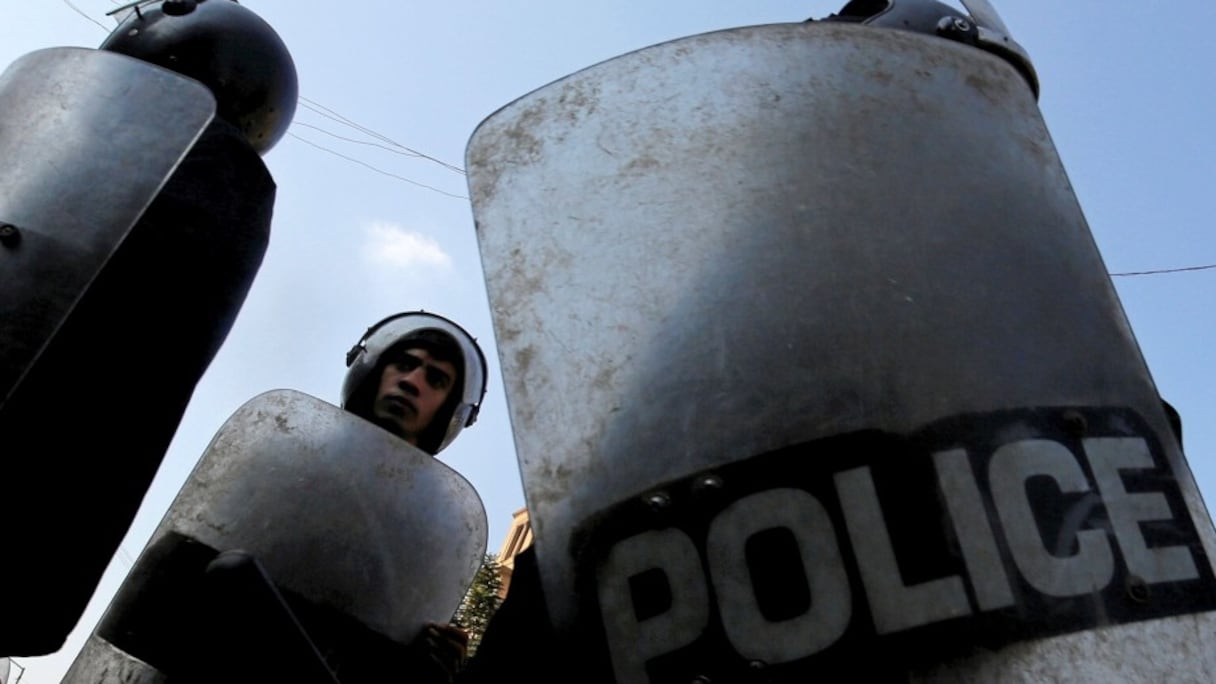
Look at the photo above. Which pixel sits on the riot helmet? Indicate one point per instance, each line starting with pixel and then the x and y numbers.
pixel 367 358
pixel 224 46
pixel 921 16
pixel 982 28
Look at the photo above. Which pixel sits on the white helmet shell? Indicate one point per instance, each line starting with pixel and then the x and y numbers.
pixel 363 359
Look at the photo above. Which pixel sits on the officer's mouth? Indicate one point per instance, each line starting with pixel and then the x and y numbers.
pixel 399 405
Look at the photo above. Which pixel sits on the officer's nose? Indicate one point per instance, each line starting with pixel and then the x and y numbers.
pixel 408 382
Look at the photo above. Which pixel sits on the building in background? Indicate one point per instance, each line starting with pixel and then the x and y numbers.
pixel 519 537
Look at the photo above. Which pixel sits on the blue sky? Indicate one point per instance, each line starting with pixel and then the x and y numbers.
pixel 1125 93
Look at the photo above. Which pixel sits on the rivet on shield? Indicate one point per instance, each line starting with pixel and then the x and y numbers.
pixel 707 487
pixel 1137 589
pixel 658 502
pixel 10 235
pixel 1075 423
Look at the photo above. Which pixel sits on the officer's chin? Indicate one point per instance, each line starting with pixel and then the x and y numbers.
pixel 389 424
pixel 393 426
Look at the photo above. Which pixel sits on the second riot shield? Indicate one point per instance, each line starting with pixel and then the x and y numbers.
pixel 123 258
pixel 362 537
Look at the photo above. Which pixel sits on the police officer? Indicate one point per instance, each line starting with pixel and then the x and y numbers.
pixel 260 559
pixel 422 377
pixel 158 230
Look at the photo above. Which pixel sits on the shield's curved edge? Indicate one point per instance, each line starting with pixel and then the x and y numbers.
pixel 339 510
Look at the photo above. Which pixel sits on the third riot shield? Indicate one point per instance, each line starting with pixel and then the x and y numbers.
pixel 812 361
pixel 103 193
pixel 135 221
pixel 365 538
pixel 135 210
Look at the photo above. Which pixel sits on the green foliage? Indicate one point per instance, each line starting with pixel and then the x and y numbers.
pixel 481 601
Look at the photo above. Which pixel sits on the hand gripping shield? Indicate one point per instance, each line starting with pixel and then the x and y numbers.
pixel 365 537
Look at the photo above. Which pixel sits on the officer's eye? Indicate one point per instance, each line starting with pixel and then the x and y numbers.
pixel 437 379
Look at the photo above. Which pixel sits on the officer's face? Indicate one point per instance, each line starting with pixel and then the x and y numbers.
pixel 412 388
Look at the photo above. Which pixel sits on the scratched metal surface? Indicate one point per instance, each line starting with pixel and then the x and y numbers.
pixel 68 129
pixel 737 241
pixel 339 512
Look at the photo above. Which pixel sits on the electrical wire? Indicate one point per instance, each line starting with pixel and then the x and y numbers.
pixel 377 170
pixel 126 557
pixel 356 141
pixel 19 666
pixel 83 14
pixel 328 113
pixel 388 144
pixel 1163 270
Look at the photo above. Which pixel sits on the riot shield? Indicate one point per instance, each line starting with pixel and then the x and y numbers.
pixel 84 160
pixel 135 225
pixel 853 387
pixel 365 537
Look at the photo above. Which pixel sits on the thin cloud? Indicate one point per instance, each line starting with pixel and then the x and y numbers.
pixel 395 247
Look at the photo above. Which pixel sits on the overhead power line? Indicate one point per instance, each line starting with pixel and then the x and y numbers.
pixel 388 144
pixel 331 114
pixel 377 170
pixel 385 142
pixel 19 666
pixel 356 141
pixel 125 556
pixel 1163 270
pixel 84 14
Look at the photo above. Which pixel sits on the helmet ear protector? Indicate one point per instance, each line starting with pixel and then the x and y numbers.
pixel 364 358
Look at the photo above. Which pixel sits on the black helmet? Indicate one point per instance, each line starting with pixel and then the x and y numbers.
pixel 921 16
pixel 227 48
pixel 365 360
pixel 982 28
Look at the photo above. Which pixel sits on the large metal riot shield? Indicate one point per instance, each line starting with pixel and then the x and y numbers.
pixel 83 162
pixel 813 363
pixel 365 537
pixel 134 225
